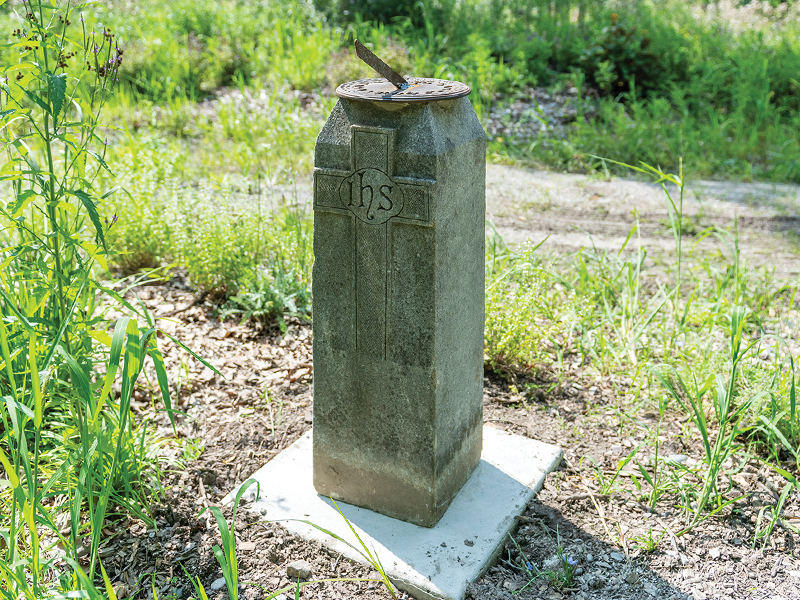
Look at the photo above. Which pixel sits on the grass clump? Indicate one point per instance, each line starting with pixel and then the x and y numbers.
pixel 250 256
pixel 524 327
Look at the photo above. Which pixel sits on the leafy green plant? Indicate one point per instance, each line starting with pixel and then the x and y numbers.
pixel 69 447
pixel 728 412
pixel 99 456
pixel 781 428
pixel 657 480
pixel 648 542
pixel 282 287
pixel 621 59
pixel 226 554
pixel 559 578
pixel 769 516
pixel 53 237
pixel 54 234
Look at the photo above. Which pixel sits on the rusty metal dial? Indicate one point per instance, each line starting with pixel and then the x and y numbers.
pixel 420 89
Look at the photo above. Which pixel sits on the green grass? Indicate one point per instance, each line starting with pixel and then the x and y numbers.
pixel 671 85
pixel 687 331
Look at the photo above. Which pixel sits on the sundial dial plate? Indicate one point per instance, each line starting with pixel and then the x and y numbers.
pixel 419 89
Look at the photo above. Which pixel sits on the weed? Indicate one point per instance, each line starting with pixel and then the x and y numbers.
pixel 559 571
pixel 730 417
pixel 607 483
pixel 769 516
pixel 648 542
pixel 226 554
pixel 68 445
pixel 275 412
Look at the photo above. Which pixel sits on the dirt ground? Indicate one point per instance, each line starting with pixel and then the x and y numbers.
pixel 263 402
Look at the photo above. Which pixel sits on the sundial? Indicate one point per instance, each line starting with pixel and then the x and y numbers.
pixel 399 316
pixel 393 87
pixel 398 285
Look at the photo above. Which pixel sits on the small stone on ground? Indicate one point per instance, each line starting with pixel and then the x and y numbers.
pixel 299 569
pixel 218 584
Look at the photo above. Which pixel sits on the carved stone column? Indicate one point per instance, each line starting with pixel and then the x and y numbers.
pixel 398 289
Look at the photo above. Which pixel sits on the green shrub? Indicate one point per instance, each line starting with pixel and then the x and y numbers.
pixel 221 245
pixel 622 57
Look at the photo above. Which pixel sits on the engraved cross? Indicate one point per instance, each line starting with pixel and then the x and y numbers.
pixel 373 198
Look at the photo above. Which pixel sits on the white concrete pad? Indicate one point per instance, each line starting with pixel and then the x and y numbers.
pixel 436 563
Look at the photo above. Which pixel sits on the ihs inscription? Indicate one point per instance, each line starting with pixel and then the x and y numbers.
pixel 371 195
pixel 375 200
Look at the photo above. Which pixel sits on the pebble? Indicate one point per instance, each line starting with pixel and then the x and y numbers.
pixel 589 557
pixel 469 543
pixel 579 571
pixel 598 581
pixel 618 556
pixel 678 458
pixel 715 553
pixel 510 585
pixel 298 569
pixel 632 577
pixel 218 584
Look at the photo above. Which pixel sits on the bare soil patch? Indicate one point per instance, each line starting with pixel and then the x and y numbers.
pixel 240 427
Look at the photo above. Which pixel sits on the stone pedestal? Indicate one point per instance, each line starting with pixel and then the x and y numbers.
pixel 398 288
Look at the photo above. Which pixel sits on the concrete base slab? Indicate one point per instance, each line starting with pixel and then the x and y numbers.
pixel 436 563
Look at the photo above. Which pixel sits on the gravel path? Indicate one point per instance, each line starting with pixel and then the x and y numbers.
pixel 577 211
